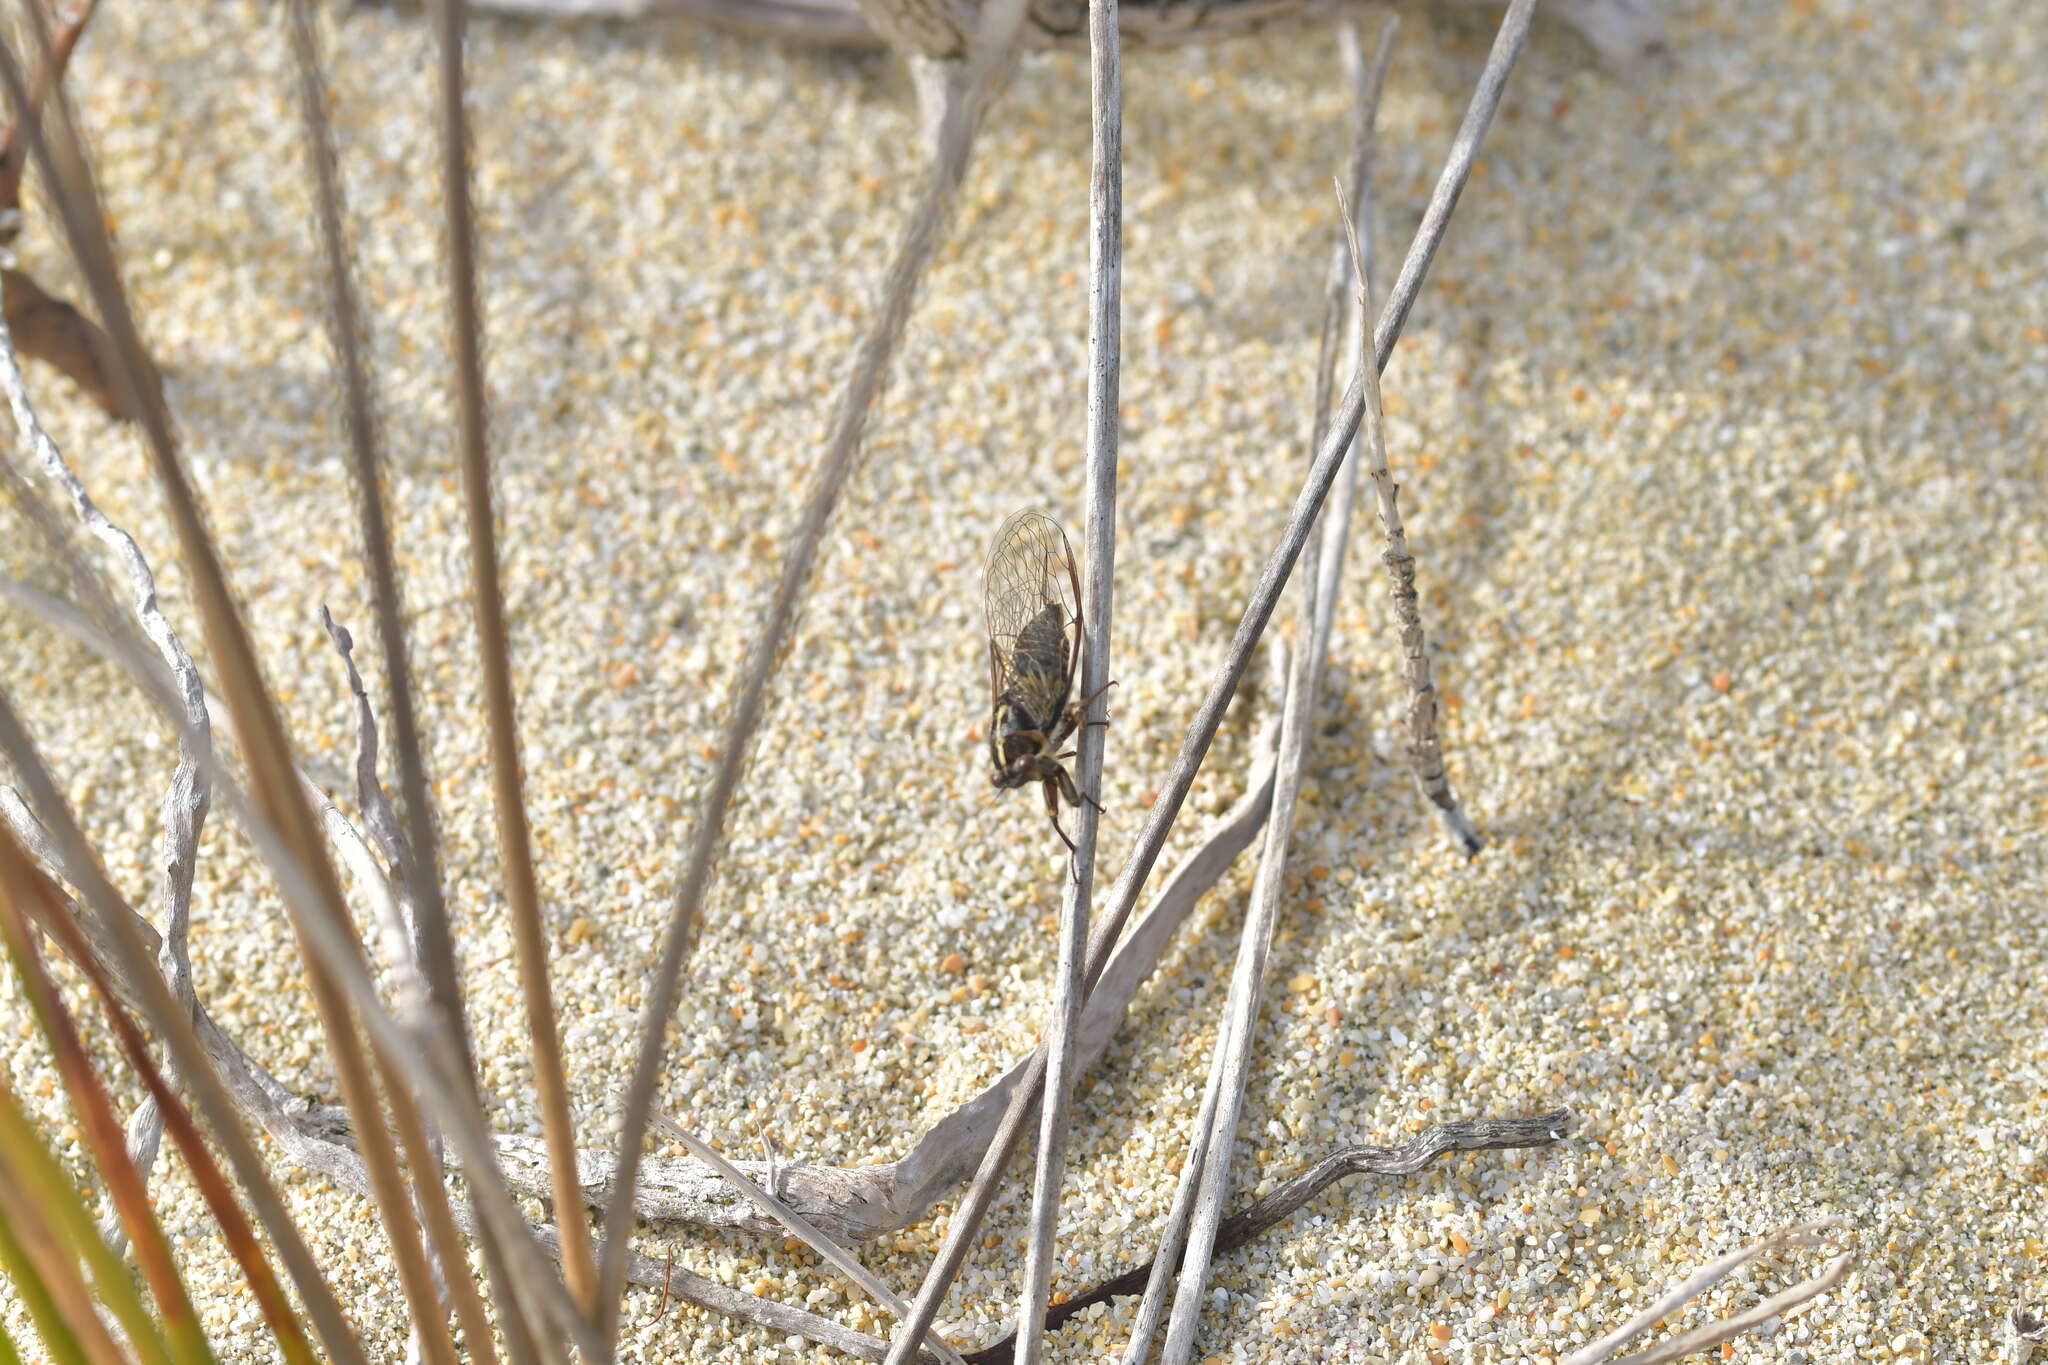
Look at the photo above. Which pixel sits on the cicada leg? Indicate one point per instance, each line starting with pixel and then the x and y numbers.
pixel 1054 789
pixel 1072 791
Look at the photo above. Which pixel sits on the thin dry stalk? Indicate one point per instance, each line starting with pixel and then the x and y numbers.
pixel 1232 1066
pixel 1425 751
pixel 416 860
pixel 816 1240
pixel 52 914
pixel 298 1136
pixel 1367 83
pixel 1173 791
pixel 394 904
pixel 515 842
pixel 1105 329
pixel 1714 1333
pixel 126 1187
pixel 1173 1233
pixel 1319 608
pixel 121 932
pixel 49 74
pixel 920 238
pixel 328 947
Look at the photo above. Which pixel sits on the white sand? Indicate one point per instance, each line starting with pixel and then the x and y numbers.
pixel 1720 428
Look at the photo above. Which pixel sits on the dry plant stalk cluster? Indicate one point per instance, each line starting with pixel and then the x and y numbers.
pixel 392 1011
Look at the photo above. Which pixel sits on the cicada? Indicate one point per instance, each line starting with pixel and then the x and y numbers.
pixel 1032 607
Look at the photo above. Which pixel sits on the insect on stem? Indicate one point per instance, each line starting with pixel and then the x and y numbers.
pixel 1032 609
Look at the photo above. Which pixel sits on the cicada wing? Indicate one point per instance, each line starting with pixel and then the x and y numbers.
pixel 1032 609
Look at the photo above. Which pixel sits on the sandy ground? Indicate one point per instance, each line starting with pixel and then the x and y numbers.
pixel 1721 433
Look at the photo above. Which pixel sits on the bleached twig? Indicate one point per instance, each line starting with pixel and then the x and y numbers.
pixel 1105 319
pixel 919 240
pixel 390 892
pixel 185 803
pixel 1714 1333
pixel 788 1218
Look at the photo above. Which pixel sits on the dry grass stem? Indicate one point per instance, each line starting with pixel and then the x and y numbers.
pixel 414 857
pixel 1105 329
pixel 1367 83
pixel 515 841
pixel 57 917
pixel 122 936
pixel 919 240
pixel 328 947
pixel 1822 1234
pixel 60 159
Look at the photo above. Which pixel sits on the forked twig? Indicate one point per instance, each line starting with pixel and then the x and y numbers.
pixel 1173 791
pixel 1714 1333
pixel 1477 1135
pixel 1105 311
pixel 816 1240
pixel 920 238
